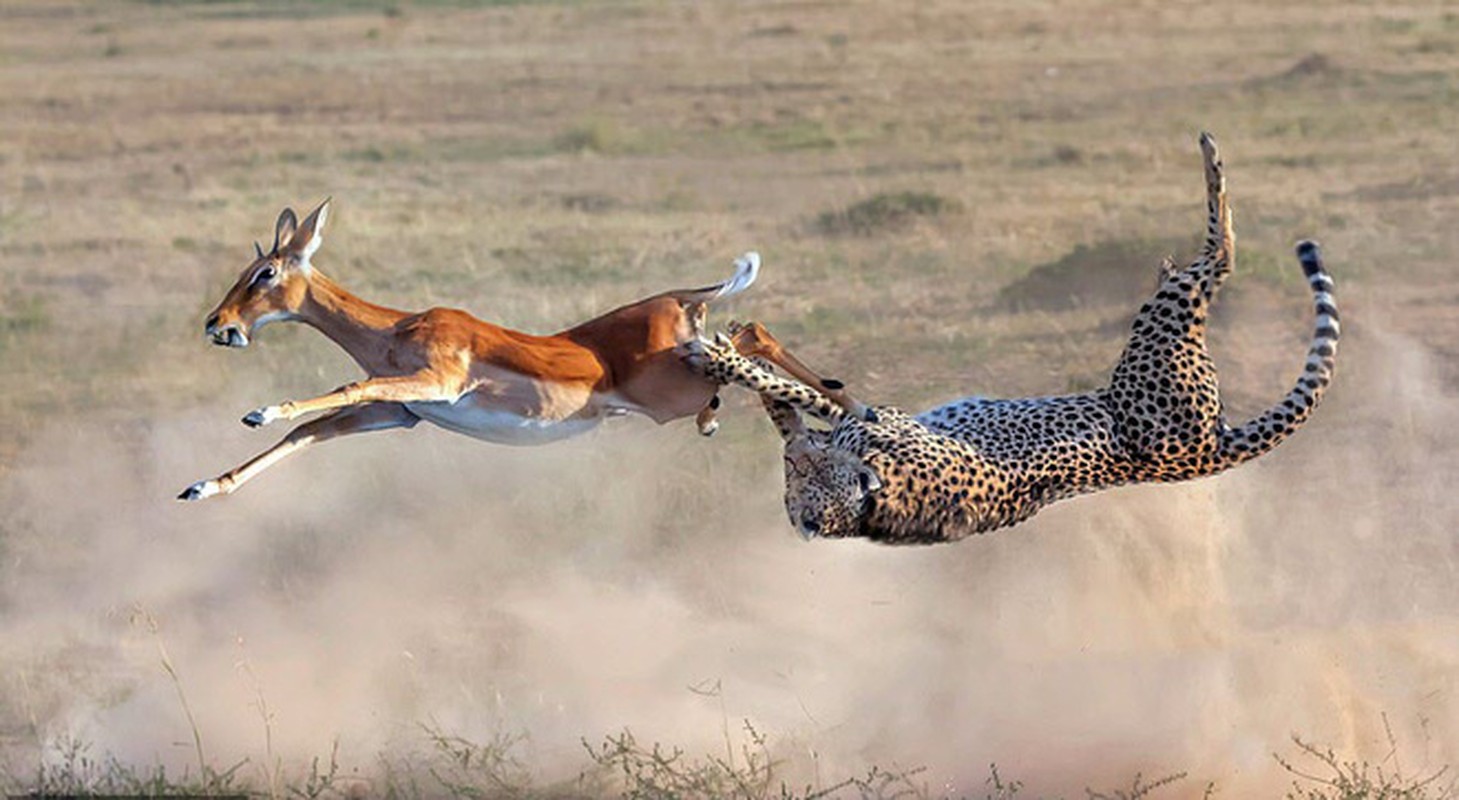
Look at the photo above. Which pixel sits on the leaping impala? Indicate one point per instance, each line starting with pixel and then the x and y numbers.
pixel 450 368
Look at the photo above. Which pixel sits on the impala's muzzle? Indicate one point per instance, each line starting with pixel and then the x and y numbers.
pixel 230 335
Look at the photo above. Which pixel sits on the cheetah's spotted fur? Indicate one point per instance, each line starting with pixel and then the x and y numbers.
pixel 977 464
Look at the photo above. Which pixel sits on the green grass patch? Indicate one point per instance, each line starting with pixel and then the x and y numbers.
pixel 20 316
pixel 802 134
pixel 481 149
pixel 797 135
pixel 595 136
pixel 885 212
pixel 604 136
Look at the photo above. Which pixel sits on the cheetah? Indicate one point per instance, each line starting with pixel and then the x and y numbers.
pixel 978 464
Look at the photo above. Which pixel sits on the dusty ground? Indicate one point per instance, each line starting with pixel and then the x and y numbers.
pixel 535 163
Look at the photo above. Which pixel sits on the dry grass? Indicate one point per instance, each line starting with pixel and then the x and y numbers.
pixel 143 145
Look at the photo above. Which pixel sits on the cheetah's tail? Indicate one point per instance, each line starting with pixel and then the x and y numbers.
pixel 1281 420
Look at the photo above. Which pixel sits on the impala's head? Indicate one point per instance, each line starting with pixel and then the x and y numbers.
pixel 273 286
pixel 827 490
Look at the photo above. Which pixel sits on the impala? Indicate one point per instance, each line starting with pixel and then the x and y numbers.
pixel 458 372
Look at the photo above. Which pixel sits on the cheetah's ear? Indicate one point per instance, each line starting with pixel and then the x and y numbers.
pixel 797 444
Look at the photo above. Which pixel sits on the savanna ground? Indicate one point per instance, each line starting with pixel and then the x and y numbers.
pixel 951 198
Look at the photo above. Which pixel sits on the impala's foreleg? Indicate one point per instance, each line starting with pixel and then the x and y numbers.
pixel 707 420
pixel 753 340
pixel 719 361
pixel 418 388
pixel 373 417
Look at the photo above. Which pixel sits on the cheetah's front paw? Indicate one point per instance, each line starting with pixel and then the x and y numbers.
pixel 702 354
pixel 695 353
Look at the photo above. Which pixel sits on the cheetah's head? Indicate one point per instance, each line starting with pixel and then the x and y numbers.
pixel 827 490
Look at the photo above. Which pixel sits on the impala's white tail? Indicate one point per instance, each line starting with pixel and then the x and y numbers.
pixel 747 268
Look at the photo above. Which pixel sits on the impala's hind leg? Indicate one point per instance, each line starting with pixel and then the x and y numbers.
pixel 696 314
pixel 1164 392
pixel 754 341
pixel 721 362
pixel 344 422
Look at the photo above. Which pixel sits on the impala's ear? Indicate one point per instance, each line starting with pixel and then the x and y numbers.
pixel 310 234
pixel 284 229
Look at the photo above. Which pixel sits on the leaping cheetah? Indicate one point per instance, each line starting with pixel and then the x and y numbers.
pixel 976 464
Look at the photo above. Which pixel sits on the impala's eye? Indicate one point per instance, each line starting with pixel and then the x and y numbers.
pixel 264 276
pixel 864 481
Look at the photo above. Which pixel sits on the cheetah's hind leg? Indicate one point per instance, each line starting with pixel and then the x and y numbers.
pixel 1164 391
pixel 1202 278
pixel 1176 315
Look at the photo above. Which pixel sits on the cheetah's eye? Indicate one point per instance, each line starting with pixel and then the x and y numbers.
pixel 864 481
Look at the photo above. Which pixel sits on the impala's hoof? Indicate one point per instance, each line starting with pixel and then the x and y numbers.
pixel 199 491
pixel 865 413
pixel 260 417
pixel 710 429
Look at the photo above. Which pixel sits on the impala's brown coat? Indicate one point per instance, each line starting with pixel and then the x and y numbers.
pixel 462 373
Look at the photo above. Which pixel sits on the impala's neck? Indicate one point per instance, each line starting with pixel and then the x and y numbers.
pixel 362 329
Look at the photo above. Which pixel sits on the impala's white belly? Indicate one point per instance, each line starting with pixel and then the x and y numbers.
pixel 499 425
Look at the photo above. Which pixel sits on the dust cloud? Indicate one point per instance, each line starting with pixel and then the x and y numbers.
pixel 572 591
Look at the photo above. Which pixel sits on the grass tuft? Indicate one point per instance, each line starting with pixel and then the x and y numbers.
pixel 1312 64
pixel 653 772
pixel 72 771
pixel 23 314
pixel 596 135
pixel 1336 779
pixel 888 211
pixel 1139 789
pixel 465 768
